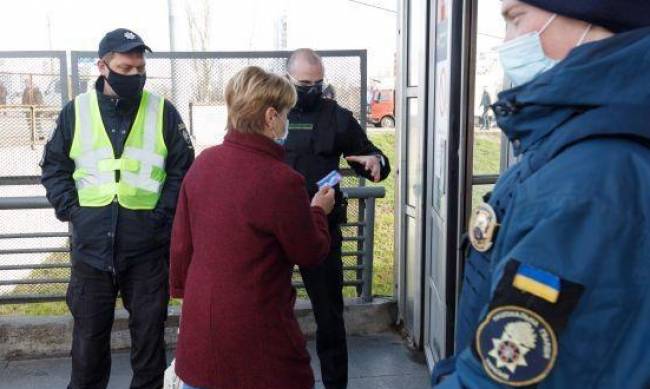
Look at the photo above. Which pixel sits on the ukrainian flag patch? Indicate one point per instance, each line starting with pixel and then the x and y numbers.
pixel 537 282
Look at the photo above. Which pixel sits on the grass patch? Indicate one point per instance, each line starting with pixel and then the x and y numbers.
pixel 41 309
pixel 55 308
pixel 487 151
pixel 384 253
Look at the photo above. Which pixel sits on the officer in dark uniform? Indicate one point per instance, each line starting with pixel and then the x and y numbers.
pixel 556 289
pixel 320 131
pixel 120 240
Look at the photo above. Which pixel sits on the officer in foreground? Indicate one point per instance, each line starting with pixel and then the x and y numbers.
pixel 320 131
pixel 113 169
pixel 559 296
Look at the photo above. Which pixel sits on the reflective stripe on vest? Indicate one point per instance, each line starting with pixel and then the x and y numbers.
pixel 141 166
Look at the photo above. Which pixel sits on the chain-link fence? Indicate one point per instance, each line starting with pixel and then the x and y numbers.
pixel 33 88
pixel 195 82
pixel 34 246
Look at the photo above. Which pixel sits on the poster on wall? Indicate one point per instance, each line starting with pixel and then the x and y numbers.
pixel 442 98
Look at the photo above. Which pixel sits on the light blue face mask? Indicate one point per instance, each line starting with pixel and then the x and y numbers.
pixel 523 58
pixel 282 140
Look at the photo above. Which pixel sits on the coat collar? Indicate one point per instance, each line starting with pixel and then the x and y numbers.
pixel 254 142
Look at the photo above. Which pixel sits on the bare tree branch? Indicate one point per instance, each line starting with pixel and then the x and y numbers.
pixel 198 21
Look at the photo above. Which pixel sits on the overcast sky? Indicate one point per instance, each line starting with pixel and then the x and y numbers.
pixel 235 25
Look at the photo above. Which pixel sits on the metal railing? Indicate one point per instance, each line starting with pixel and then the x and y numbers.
pixel 12 297
pixel 35 265
pixel 365 236
pixel 200 78
pixel 359 231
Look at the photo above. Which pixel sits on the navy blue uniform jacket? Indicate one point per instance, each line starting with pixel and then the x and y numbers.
pixel 576 209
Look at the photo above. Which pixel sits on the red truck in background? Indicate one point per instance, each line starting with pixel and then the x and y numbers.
pixel 381 108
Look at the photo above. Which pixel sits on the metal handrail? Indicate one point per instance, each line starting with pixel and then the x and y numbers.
pixel 485 179
pixel 364 192
pixel 20 180
pixel 37 266
pixel 36 235
pixel 364 240
pixel 23 203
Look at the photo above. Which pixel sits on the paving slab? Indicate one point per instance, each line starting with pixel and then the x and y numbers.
pixel 376 362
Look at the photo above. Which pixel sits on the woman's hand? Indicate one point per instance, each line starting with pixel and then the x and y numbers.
pixel 324 199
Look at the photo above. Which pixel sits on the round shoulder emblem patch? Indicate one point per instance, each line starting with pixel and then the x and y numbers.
pixel 482 228
pixel 517 346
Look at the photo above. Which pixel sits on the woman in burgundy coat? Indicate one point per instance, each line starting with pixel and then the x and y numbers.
pixel 243 221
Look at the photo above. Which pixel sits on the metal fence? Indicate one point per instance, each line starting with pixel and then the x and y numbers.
pixel 195 82
pixel 34 246
pixel 33 88
pixel 43 272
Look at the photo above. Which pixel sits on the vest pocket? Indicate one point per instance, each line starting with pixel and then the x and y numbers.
pixel 298 145
pixel 324 141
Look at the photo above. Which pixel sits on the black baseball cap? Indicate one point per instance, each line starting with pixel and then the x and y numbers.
pixel 121 40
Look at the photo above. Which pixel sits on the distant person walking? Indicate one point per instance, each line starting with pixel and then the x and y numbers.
pixel 31 94
pixel 32 97
pixel 3 94
pixel 486 102
pixel 3 98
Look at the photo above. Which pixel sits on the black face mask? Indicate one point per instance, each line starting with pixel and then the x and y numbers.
pixel 126 87
pixel 308 96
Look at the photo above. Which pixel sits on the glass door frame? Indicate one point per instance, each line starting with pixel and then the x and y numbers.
pixel 459 164
pixel 414 211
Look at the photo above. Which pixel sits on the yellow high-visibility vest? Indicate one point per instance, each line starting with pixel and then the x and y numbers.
pixel 141 166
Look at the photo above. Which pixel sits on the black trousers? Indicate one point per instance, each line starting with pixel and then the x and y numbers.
pixel 91 297
pixel 324 285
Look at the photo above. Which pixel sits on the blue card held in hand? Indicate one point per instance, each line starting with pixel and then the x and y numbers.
pixel 330 180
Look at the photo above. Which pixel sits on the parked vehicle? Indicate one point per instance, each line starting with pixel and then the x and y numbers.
pixel 381 110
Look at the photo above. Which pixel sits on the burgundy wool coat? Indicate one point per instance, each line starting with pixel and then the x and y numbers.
pixel 243 221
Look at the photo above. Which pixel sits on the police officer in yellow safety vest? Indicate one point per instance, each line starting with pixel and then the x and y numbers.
pixel 113 168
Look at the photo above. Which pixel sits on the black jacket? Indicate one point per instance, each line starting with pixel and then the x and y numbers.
pixel 317 140
pixel 111 238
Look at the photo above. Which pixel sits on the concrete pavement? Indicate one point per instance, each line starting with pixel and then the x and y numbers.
pixel 376 362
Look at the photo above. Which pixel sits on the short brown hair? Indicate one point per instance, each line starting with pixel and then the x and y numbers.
pixel 108 57
pixel 250 93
